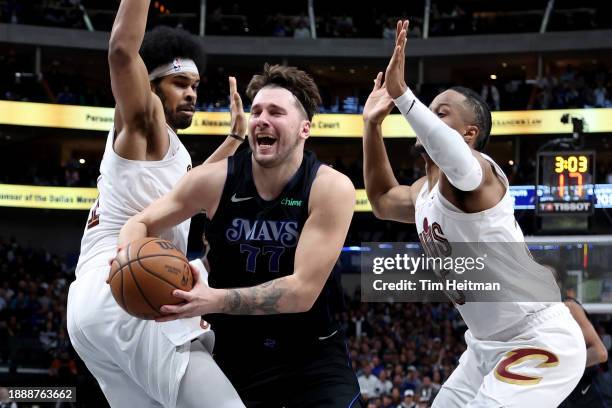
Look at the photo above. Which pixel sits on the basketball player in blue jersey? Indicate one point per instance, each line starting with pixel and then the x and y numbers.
pixel 519 354
pixel 143 363
pixel 588 392
pixel 278 219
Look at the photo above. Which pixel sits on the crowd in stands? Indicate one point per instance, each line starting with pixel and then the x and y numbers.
pixel 582 86
pixel 55 13
pixel 285 20
pixel 78 172
pixel 401 352
pixel 73 173
pixel 573 87
pixel 33 292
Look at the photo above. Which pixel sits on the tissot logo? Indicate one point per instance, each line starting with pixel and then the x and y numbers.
pixel 553 207
pixel 290 202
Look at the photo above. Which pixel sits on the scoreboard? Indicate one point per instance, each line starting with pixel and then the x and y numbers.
pixel 564 183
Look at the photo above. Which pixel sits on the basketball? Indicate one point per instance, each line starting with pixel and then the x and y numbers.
pixel 144 274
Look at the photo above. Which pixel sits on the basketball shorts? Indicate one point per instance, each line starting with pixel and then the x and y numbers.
pixel 138 363
pixel 316 374
pixel 536 365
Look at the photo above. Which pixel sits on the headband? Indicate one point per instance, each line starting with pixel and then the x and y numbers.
pixel 177 66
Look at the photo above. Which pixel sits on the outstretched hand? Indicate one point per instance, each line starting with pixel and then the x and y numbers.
pixel 394 76
pixel 379 103
pixel 197 301
pixel 239 119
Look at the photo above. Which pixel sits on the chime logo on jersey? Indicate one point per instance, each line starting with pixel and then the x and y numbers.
pixel 290 202
pixel 284 232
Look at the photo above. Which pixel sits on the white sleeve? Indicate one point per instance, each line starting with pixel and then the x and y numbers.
pixel 444 145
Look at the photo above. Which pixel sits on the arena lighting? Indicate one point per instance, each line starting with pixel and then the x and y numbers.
pixel 82 161
pixel 493 76
pixel 511 162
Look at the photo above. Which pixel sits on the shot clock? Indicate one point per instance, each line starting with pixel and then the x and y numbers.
pixel 565 182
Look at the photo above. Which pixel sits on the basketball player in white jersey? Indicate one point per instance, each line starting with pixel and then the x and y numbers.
pixel 519 354
pixel 143 363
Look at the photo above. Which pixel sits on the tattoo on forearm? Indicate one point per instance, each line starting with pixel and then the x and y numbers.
pixel 261 299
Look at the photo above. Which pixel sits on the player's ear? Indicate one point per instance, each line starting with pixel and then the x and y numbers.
pixel 305 130
pixel 470 135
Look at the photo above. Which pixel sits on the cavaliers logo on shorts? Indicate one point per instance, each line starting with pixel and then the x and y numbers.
pixel 515 357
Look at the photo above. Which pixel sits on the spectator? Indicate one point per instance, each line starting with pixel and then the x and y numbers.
pixel 389 30
pixel 408 401
pixel 48 337
pixel 279 27
pixel 387 402
pixel 427 392
pixel 600 95
pixel 5 401
pixel 63 369
pixel 385 384
pixel 301 31
pixel 369 385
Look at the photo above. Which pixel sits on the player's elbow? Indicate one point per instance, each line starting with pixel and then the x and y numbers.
pixel 119 54
pixel 602 354
pixel 378 210
pixel 304 302
pixel 374 198
pixel 305 299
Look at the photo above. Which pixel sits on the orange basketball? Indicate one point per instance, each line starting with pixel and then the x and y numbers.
pixel 144 274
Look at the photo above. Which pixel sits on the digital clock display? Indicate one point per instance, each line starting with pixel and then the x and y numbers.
pixel 565 182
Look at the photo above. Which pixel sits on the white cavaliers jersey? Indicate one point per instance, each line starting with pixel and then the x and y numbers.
pixel 438 219
pixel 125 188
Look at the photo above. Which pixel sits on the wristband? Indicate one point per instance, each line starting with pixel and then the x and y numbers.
pixel 237 137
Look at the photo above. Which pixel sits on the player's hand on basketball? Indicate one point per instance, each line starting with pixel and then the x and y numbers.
pixel 239 119
pixel 394 76
pixel 379 103
pixel 197 301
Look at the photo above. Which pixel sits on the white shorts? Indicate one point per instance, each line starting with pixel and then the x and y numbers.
pixel 138 363
pixel 538 366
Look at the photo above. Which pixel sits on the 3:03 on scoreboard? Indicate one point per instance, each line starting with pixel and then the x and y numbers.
pixel 565 182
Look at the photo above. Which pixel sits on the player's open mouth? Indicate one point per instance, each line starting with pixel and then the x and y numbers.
pixel 265 141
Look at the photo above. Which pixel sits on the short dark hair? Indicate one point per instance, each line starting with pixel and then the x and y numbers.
pixel 298 82
pixel 163 44
pixel 482 115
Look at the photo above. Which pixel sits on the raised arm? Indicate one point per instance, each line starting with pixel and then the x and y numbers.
pixel 138 113
pixel 199 190
pixel 331 204
pixel 444 145
pixel 238 127
pixel 389 200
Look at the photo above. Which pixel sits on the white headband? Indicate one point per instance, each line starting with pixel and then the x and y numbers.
pixel 174 67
